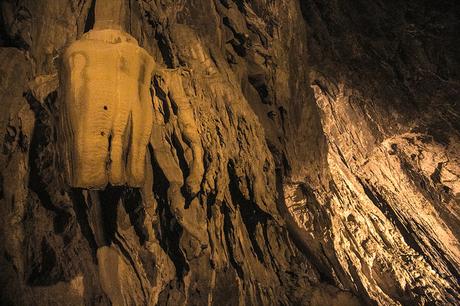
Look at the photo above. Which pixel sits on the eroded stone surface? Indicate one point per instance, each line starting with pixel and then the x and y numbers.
pixel 107 113
pixel 392 217
pixel 364 149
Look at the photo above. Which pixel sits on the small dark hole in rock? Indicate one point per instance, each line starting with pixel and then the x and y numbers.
pixel 105 107
pixel 102 133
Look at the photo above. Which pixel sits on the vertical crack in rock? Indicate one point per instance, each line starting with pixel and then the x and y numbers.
pixel 90 18
pixel 169 230
pixel 250 214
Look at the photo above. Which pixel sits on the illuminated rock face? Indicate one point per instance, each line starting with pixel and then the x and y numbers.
pixel 356 132
pixel 107 111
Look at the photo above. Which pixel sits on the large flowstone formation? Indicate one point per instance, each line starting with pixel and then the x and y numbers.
pixel 107 113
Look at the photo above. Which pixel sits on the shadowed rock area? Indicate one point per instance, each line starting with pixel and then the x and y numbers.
pixel 302 152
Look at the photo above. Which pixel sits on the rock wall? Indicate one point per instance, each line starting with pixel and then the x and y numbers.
pixel 329 173
pixel 384 219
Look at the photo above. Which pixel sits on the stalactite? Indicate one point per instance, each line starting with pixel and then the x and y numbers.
pixel 107 113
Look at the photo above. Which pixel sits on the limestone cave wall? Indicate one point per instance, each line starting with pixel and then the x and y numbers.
pixel 302 152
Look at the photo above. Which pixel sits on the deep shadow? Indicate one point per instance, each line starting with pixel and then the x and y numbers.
pixel 169 231
pixel 132 202
pixel 91 18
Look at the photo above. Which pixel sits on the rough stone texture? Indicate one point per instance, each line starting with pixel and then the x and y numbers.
pixel 329 138
pixel 106 109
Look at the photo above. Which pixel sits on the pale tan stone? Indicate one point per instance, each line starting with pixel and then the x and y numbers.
pixel 107 109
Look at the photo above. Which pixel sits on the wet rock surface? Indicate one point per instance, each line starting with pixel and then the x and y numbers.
pixel 302 153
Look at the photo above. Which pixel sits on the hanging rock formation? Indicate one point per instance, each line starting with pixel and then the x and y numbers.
pixel 106 104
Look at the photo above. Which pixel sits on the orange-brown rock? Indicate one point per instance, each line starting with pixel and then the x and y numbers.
pixel 300 153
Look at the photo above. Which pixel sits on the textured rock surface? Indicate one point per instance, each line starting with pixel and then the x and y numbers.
pixel 107 109
pixel 386 214
pixel 302 153
pixel 106 104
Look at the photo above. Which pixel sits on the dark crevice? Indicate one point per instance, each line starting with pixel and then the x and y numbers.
pixel 174 106
pixel 210 202
pixel 239 40
pixel 38 157
pixel 165 50
pixel 109 199
pixel 130 21
pixel 169 231
pixel 90 18
pixel 183 165
pixel 132 201
pixel 109 150
pixel 260 85
pixel 2 194
pixel 436 175
pixel 162 96
pixel 388 211
pixel 80 208
pixel 9 39
pixel 127 138
pixel 230 239
pixel 283 118
pixel 251 214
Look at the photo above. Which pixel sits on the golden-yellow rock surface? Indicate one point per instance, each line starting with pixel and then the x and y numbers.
pixel 107 114
pixel 303 152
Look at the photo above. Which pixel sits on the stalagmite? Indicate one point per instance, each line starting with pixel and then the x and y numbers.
pixel 107 104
